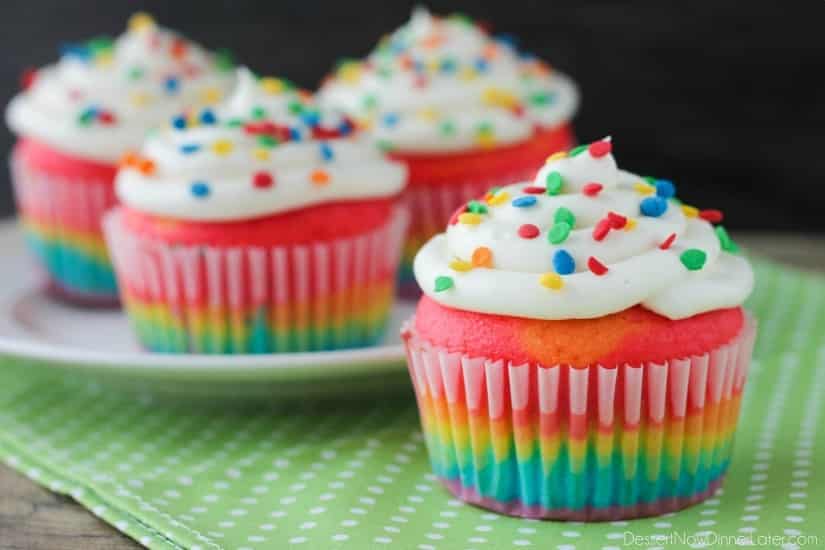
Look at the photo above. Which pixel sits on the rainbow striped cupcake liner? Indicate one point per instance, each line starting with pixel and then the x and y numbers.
pixel 61 220
pixel 430 208
pixel 585 444
pixel 249 299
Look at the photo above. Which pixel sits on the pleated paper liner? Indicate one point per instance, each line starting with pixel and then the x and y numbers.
pixel 586 444
pixel 61 220
pixel 251 299
pixel 439 184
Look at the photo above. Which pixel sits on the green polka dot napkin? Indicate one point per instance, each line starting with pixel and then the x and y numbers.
pixel 349 476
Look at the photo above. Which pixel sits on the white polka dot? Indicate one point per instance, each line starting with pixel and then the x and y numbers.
pixel 226 524
pixel 618 523
pixel 794 519
pixel 375 490
pixel 271 476
pixel 490 517
pixel 287 500
pixel 521 542
pixel 199 510
pixel 434 536
pixel 570 534
pixel 709 512
pixel 349 523
pixel 565 547
pixel 266 527
pixel 346 474
pixel 297 540
pixel 336 485
pixel 340 537
pixel 307 525
pixel 426 547
pixel 753 508
pixel 256 538
pixel 662 524
pixel 614 536
pixel 792 532
pixel 280 463
pixel 249 500
pixel 185 480
pixel 407 509
pixel 278 514
pixel 415 498
pixel 747 529
pixel 382 540
pixel 798 494
pixel 358 511
pixel 391 529
pixel 367 500
pixel 237 512
pixel 706 523
pixel 441 525
pixel 484 528
pixel 477 540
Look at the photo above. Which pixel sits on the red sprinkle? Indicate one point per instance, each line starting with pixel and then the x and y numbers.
pixel 263 180
pixel 667 242
pixel 712 216
pixel 518 110
pixel 28 78
pixel 592 189
pixel 534 190
pixel 105 117
pixel 601 230
pixel 420 81
pixel 459 211
pixel 600 148
pixel 617 221
pixel 596 266
pixel 528 231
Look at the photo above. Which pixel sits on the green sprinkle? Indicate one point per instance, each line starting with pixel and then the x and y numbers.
pixel 234 123
pixel 100 44
pixel 493 190
pixel 385 145
pixel 724 240
pixel 446 128
pixel 541 99
pixel 258 113
pixel 86 118
pixel 577 150
pixel 564 214
pixel 554 183
pixel 136 73
pixel 443 283
pixel 650 180
pixel 476 207
pixel 558 233
pixel 224 60
pixel 267 141
pixel 461 18
pixel 693 259
pixel 295 107
pixel 370 102
pixel 485 128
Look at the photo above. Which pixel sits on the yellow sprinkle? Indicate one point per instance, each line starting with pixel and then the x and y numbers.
pixel 497 97
pixel 260 153
pixel 210 96
pixel 486 140
pixel 690 211
pixel 467 73
pixel 556 156
pixel 460 265
pixel 631 224
pixel 428 113
pixel 140 22
pixel 468 218
pixel 499 198
pixel 222 147
pixel 272 85
pixel 552 281
pixel 104 59
pixel 433 65
pixel 350 72
pixel 139 99
pixel 644 188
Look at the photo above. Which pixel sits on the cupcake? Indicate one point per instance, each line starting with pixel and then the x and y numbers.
pixel 580 350
pixel 74 120
pixel 462 109
pixel 264 226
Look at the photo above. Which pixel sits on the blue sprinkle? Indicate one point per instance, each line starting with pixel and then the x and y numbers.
pixel 326 152
pixel 179 122
pixel 563 262
pixel 172 84
pixel 527 56
pixel 481 65
pixel 391 119
pixel 507 39
pixel 294 134
pixel 653 206
pixel 208 117
pixel 418 66
pixel 76 50
pixel 447 66
pixel 200 189
pixel 310 118
pixel 524 202
pixel 190 148
pixel 345 128
pixel 665 189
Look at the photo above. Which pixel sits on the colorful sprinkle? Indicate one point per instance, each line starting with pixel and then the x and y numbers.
pixel 208 117
pixel 693 259
pixel 524 202
pixel 469 218
pixel 272 85
pixel 554 183
pixel 190 148
pixel 257 113
pixel 556 156
pixel 319 177
pixel 617 221
pixel 592 189
pixel 311 118
pixel 528 231
pixel 446 128
pixel 599 149
pixel 564 214
pixel 653 207
pixel 563 262
pixel 725 241
pixel 260 153
pixel 140 22
pixel 476 207
pixel 171 84
pixel 690 211
pixel 443 283
pixel 390 120
pixel 262 180
pixel 644 188
pixel 558 233
pixel 596 266
pixel 454 217
pixel 460 265
pixel 222 147
pixel 540 99
pixel 28 78
pixel 711 215
pixel 668 241
pixel 551 280
pixel 665 189
pixel 534 190
pixel 146 167
pixel 498 198
pixel 482 257
pixel 200 189
pixel 179 122
pixel 577 150
pixel 326 152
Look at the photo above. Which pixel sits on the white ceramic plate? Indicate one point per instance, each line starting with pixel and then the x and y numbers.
pixel 98 343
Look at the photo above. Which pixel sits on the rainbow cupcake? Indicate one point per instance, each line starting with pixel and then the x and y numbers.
pixel 263 226
pixel 75 119
pixel 462 109
pixel 581 350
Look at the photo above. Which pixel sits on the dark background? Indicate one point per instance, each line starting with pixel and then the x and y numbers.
pixel 726 98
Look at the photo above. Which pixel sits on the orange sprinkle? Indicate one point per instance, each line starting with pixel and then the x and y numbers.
pixel 146 166
pixel 482 257
pixel 129 160
pixel 490 51
pixel 319 177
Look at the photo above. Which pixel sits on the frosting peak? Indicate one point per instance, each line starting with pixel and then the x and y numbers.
pixel 443 83
pixel 266 149
pixel 103 95
pixel 583 240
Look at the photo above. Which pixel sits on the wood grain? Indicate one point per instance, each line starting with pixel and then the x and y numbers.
pixel 34 518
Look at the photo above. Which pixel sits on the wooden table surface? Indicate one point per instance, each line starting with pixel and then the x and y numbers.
pixel 34 518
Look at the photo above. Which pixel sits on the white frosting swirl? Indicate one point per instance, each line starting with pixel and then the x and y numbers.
pixel 266 150
pixel 528 276
pixel 102 97
pixel 443 84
